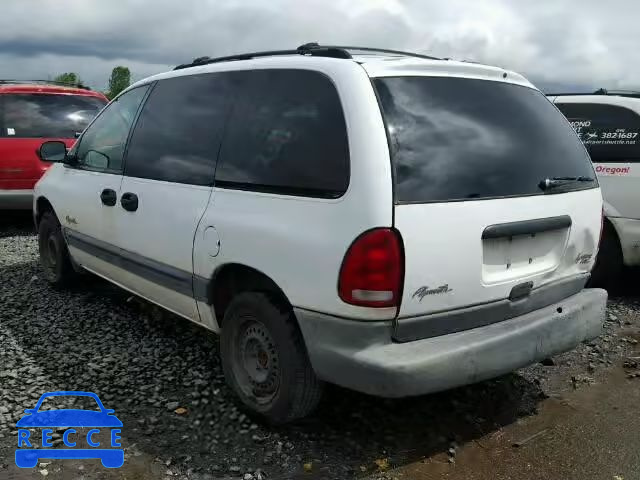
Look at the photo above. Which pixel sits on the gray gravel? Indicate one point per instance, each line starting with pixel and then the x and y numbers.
pixel 148 365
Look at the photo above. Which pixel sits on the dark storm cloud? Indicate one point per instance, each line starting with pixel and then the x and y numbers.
pixel 588 42
pixel 107 50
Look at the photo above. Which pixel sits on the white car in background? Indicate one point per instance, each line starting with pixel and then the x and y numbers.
pixel 608 123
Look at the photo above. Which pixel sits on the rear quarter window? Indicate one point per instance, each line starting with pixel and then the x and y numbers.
pixel 611 133
pixel 287 135
pixel 466 139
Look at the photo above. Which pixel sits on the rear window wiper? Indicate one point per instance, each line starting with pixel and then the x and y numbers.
pixel 553 182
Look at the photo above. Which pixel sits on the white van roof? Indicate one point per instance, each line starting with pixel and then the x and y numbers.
pixel 376 62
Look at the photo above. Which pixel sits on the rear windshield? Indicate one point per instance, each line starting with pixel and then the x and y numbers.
pixel 46 115
pixel 460 139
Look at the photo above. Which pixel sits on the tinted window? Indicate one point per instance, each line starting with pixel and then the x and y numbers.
pixel 102 144
pixel 46 115
pixel 610 133
pixel 457 138
pixel 287 135
pixel 177 137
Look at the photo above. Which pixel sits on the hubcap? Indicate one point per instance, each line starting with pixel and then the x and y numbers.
pixel 259 370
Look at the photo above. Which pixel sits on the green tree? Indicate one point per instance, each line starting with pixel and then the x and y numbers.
pixel 119 80
pixel 70 78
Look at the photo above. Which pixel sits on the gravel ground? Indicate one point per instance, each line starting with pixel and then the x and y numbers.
pixel 148 365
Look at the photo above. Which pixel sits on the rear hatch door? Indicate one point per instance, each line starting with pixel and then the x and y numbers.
pixel 495 195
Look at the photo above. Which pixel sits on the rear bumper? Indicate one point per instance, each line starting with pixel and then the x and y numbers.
pixel 16 199
pixel 362 356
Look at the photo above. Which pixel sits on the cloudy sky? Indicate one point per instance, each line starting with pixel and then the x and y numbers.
pixel 557 43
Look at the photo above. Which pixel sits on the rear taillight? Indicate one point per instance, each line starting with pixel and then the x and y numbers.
pixel 373 269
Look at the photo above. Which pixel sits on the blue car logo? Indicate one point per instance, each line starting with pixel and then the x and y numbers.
pixel 29 452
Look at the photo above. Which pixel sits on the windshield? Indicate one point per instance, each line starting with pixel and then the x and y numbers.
pixel 461 139
pixel 46 115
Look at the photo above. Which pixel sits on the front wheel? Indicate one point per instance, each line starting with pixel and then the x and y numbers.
pixel 265 360
pixel 54 255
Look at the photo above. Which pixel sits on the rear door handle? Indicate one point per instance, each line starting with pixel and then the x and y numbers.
pixel 527 227
pixel 129 201
pixel 108 197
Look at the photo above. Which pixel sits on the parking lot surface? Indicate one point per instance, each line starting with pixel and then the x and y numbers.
pixel 163 378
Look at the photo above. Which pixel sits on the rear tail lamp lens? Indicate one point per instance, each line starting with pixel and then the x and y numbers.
pixel 373 269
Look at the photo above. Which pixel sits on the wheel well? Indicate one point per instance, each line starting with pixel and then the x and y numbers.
pixel 235 278
pixel 42 205
pixel 609 229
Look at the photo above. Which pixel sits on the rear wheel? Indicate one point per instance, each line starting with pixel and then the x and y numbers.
pixel 265 361
pixel 54 255
pixel 609 263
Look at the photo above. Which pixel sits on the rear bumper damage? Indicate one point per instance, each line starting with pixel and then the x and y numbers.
pixel 362 356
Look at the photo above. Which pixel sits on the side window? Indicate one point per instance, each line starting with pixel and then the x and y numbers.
pixel 102 144
pixel 287 135
pixel 177 137
pixel 610 133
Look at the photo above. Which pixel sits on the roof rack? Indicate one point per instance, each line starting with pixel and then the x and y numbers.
pixel 601 91
pixel 308 49
pixel 377 50
pixel 44 82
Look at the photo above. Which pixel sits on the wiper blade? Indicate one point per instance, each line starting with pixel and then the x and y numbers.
pixel 573 179
pixel 552 182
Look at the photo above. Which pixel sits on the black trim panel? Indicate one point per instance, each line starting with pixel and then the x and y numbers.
pixel 201 289
pixel 444 323
pixel 527 227
pixel 278 190
pixel 161 274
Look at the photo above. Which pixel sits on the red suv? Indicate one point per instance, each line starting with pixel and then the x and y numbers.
pixel 32 112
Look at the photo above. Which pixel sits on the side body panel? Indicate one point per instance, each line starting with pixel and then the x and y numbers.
pixel 75 197
pixel 300 242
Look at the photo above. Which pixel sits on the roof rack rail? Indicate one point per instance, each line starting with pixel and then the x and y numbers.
pixel 601 91
pixel 377 50
pixel 308 49
pixel 311 49
pixel 44 82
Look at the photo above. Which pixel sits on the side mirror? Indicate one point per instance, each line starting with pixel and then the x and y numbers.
pixel 109 411
pixel 29 410
pixel 54 151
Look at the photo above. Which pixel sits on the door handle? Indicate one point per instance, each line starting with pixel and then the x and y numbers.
pixel 108 197
pixel 129 201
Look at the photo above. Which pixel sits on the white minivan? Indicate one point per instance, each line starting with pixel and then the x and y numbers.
pixel 608 122
pixel 389 222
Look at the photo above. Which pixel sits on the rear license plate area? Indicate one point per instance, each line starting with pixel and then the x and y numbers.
pixel 520 256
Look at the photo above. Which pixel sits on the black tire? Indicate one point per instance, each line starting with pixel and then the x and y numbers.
pixel 265 360
pixel 609 264
pixel 54 255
